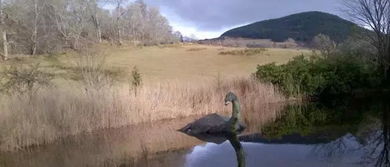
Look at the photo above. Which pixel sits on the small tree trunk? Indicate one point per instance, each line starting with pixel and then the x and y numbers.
pixel 99 30
pixel 35 31
pixel 387 74
pixel 75 43
pixel 96 22
pixel 99 35
pixel 119 34
pixel 118 26
pixel 5 46
pixel 34 49
pixel 4 32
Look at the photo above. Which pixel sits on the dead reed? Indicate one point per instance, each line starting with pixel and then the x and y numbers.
pixel 55 113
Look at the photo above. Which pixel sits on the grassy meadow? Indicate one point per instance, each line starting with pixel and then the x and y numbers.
pixel 93 90
pixel 167 62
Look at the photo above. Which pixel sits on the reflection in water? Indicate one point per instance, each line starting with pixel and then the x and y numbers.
pixel 384 140
pixel 258 154
pixel 240 154
pixel 370 143
pixel 221 140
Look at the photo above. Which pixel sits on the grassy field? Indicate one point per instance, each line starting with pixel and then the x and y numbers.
pixel 160 63
pixel 178 81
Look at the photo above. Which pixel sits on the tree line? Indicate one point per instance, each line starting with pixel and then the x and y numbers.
pixel 47 26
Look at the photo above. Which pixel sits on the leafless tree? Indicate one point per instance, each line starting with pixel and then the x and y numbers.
pixel 71 19
pixel 47 26
pixel 324 44
pixel 34 36
pixel 374 14
pixel 147 25
pixel 3 32
pixel 118 14
pixel 94 11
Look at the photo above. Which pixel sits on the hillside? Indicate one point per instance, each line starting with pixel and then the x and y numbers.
pixel 300 27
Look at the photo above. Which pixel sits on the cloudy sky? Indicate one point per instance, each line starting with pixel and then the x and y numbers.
pixel 210 18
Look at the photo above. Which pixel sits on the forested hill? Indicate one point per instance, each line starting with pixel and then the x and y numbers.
pixel 300 27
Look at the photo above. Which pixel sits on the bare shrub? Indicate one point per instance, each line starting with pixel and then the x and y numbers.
pixel 93 70
pixel 24 79
pixel 324 45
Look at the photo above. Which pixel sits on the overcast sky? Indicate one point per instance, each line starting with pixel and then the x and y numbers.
pixel 210 18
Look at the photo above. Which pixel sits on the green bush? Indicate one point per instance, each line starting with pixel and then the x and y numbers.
pixel 317 76
pixel 245 52
pixel 136 80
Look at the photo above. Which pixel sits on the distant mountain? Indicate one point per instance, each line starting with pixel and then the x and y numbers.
pixel 300 27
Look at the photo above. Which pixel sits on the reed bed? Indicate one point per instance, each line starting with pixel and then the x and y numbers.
pixel 52 114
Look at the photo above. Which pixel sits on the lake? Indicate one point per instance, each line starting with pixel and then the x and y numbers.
pixel 337 133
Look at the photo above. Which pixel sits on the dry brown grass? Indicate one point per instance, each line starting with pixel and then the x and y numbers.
pixel 108 147
pixel 195 49
pixel 149 144
pixel 56 113
pixel 158 63
pixel 177 84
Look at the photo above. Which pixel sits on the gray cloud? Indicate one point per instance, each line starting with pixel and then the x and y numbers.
pixel 213 15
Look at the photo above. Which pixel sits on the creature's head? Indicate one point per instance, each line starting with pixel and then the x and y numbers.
pixel 230 97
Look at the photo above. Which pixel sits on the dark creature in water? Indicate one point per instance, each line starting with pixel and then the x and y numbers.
pixel 216 124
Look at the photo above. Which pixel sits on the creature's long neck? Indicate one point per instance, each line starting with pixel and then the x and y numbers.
pixel 236 111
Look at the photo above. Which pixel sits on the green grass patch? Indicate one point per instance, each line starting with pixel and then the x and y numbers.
pixel 245 52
